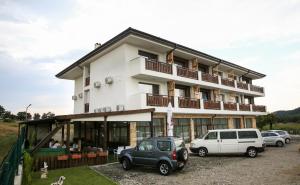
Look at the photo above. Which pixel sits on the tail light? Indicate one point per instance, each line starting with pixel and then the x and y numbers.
pixel 174 155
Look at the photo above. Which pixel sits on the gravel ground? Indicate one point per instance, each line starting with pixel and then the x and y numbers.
pixel 274 166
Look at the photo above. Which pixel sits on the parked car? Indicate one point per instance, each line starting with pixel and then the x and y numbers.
pixel 165 153
pixel 272 139
pixel 227 141
pixel 284 134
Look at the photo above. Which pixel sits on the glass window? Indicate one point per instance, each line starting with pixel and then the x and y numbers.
pixel 264 134
pixel 200 126
pixel 247 134
pixel 220 123
pixel 272 134
pixel 205 94
pixel 237 122
pixel 182 128
pixel 158 127
pixel 142 130
pixel 164 145
pixel 149 88
pixel 281 132
pixel 182 91
pixel 118 133
pixel 203 68
pixel 248 123
pixel 228 135
pixel 211 136
pixel 146 146
pixel 181 62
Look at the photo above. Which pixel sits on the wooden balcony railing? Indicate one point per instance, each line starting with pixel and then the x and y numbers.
pixel 87 81
pixel 256 88
pixel 242 85
pixel 230 106
pixel 188 103
pixel 159 100
pixel 212 105
pixel 227 82
pixel 244 107
pixel 210 78
pixel 158 66
pixel 86 107
pixel 258 108
pixel 188 73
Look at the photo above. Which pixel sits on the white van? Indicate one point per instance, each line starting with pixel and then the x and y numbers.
pixel 224 141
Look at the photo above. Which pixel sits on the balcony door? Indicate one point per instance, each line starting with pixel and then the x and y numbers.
pixel 148 55
pixel 182 90
pixel 149 88
pixel 205 94
pixel 181 62
pixel 203 68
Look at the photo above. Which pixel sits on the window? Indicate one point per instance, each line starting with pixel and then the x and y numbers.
pixel 237 99
pixel 148 55
pixel 281 132
pixel 149 88
pixel 164 145
pixel 220 123
pixel 182 128
pixel 117 132
pixel 247 134
pixel 146 146
pixel 272 134
pixel 264 134
pixel 228 135
pixel 182 90
pixel 222 97
pixel 158 127
pixel 143 130
pixel 203 68
pixel 248 100
pixel 247 80
pixel 205 94
pixel 181 62
pixel 248 123
pixel 211 136
pixel 237 122
pixel 200 126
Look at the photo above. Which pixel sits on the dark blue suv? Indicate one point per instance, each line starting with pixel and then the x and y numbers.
pixel 165 153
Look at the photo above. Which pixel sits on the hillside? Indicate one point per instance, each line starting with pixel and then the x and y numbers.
pixel 288 115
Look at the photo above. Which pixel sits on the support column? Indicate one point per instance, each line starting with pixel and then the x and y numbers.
pixel 171 91
pixel 196 91
pixel 151 126
pixel 63 134
pixel 170 57
pixel 105 133
pixel 254 122
pixel 194 64
pixel 133 137
pixel 68 136
pixel 192 133
pixel 230 123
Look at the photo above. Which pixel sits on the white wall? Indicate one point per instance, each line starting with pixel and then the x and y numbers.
pixel 78 104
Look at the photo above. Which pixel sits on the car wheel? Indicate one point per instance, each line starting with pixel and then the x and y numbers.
pixel 287 140
pixel 126 164
pixel 202 152
pixel 164 168
pixel 252 152
pixel 279 144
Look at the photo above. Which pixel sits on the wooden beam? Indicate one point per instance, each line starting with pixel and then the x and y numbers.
pixel 63 134
pixel 105 133
pixel 68 136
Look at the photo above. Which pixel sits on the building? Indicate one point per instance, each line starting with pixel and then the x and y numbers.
pixel 136 70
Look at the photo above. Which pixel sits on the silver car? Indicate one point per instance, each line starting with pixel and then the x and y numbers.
pixel 272 139
pixel 284 134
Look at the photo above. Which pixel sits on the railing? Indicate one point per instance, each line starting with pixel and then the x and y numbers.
pixel 159 100
pixel 210 78
pixel 188 73
pixel 11 162
pixel 227 82
pixel 244 107
pixel 87 81
pixel 212 105
pixel 258 108
pixel 158 66
pixel 256 88
pixel 86 107
pixel 188 103
pixel 230 106
pixel 242 85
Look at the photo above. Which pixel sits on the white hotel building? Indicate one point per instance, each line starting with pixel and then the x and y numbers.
pixel 136 70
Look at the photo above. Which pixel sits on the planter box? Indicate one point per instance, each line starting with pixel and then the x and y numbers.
pixel 62 157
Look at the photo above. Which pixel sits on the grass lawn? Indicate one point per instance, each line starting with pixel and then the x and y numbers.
pixel 74 176
pixel 8 136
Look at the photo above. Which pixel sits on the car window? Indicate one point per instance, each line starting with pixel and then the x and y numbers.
pixel 264 134
pixel 247 134
pixel 211 135
pixel 228 135
pixel 164 145
pixel 281 132
pixel 272 134
pixel 146 146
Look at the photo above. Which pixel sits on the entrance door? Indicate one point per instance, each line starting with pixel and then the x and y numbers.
pixel 228 142
pixel 212 142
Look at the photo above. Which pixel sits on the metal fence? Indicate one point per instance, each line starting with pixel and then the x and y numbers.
pixel 9 165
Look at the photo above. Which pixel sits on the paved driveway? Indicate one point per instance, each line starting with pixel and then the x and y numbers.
pixel 274 166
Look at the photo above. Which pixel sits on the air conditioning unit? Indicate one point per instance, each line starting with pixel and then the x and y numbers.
pixel 120 107
pixel 102 109
pixel 74 97
pixel 97 84
pixel 95 110
pixel 107 109
pixel 80 95
pixel 109 80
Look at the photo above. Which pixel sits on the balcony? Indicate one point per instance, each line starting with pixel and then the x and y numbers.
pixel 159 100
pixel 86 107
pixel 227 82
pixel 212 105
pixel 210 78
pixel 188 73
pixel 242 85
pixel 87 81
pixel 188 103
pixel 256 88
pixel 158 66
pixel 259 108
pixel 230 106
pixel 244 107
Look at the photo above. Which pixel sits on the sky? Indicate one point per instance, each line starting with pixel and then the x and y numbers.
pixel 39 38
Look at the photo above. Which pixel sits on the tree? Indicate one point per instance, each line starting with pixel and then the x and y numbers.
pixel 48 115
pixel 22 116
pixel 7 115
pixel 36 116
pixel 2 111
pixel 265 120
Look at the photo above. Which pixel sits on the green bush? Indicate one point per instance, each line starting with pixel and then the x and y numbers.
pixel 27 169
